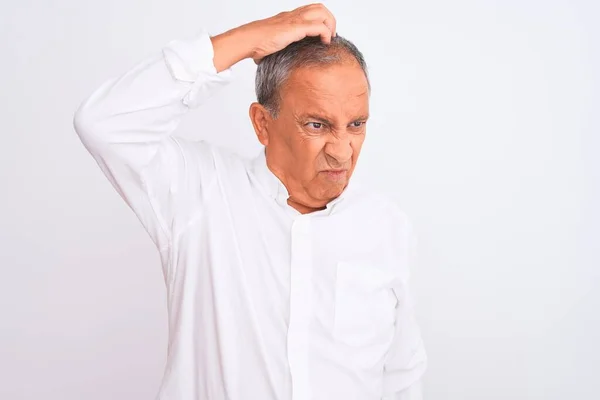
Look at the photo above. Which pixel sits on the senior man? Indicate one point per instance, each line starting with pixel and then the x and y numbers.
pixel 285 281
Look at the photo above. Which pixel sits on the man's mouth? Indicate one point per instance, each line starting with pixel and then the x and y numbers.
pixel 335 174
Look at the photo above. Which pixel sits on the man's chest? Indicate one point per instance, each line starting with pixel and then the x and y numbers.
pixel 318 279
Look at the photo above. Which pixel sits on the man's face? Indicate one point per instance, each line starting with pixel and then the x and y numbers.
pixel 315 141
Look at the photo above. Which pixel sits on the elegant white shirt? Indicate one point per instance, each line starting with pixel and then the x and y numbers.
pixel 263 302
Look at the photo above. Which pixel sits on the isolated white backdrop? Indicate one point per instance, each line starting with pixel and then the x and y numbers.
pixel 484 128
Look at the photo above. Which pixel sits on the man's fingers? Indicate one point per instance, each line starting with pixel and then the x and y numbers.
pixel 330 22
pixel 318 29
pixel 320 13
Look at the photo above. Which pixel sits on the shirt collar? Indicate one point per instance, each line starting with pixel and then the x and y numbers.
pixel 277 190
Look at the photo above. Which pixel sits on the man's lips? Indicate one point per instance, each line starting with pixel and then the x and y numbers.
pixel 335 174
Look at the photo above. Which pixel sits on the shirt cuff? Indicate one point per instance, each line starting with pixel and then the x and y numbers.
pixel 191 60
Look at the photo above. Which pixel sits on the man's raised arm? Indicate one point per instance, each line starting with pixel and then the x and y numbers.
pixel 127 126
pixel 127 123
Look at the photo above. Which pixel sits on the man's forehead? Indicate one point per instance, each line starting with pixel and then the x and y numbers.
pixel 330 111
pixel 345 80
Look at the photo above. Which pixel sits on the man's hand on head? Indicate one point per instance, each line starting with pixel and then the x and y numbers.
pixel 260 38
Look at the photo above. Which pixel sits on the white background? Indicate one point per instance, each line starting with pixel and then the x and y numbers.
pixel 485 129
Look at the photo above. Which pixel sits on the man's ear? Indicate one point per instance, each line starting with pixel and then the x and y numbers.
pixel 260 118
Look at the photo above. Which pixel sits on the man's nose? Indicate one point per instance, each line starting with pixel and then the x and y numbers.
pixel 339 152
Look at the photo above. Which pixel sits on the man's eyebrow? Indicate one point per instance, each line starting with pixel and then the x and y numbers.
pixel 363 117
pixel 316 117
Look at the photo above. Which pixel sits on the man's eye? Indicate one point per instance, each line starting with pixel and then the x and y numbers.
pixel 357 124
pixel 315 125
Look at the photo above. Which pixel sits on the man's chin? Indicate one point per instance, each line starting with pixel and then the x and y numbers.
pixel 334 190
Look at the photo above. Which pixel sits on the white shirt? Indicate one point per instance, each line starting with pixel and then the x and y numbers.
pixel 264 303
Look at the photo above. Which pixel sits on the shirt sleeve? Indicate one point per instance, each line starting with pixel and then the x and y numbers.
pixel 127 125
pixel 407 360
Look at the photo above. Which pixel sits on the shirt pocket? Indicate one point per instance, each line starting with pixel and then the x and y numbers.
pixel 365 305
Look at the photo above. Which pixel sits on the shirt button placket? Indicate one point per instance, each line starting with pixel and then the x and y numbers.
pixel 300 307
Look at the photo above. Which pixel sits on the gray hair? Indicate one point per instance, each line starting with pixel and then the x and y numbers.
pixel 274 69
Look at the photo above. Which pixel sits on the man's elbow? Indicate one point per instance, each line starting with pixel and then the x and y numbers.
pixel 87 127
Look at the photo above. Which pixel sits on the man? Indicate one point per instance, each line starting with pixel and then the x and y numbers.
pixel 284 281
